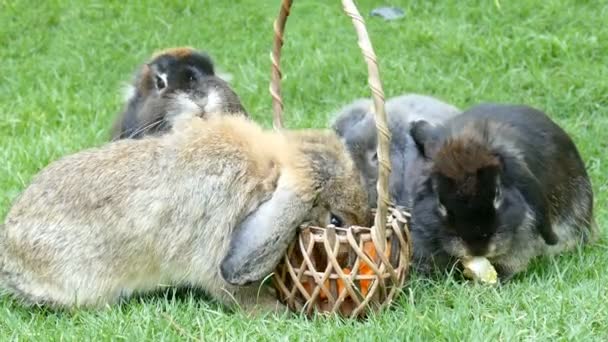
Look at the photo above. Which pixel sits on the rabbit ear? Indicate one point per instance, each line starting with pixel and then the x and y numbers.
pixel 260 241
pixel 537 199
pixel 426 137
pixel 350 116
pixel 534 195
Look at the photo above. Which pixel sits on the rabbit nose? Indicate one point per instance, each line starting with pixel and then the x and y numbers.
pixel 477 248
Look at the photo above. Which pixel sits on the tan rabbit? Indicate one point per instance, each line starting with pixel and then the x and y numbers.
pixel 174 81
pixel 212 204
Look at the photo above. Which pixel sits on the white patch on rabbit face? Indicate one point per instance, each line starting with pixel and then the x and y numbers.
pixel 214 102
pixel 182 107
pixel 128 92
pixel 160 81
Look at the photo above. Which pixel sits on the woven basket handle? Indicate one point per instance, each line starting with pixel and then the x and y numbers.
pixel 375 85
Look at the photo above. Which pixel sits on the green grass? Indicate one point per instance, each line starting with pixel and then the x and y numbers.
pixel 62 65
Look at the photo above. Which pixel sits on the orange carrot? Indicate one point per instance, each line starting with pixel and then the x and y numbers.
pixel 365 269
pixel 308 286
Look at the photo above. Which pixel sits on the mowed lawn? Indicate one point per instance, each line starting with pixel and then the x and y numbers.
pixel 63 64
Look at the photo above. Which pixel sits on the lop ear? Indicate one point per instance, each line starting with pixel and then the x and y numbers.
pixel 260 241
pixel 426 137
pixel 543 218
pixel 535 196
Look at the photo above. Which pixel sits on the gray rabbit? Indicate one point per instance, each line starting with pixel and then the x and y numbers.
pixel 355 124
pixel 211 204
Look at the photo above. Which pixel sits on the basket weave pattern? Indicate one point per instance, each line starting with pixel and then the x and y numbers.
pixel 354 270
pixel 339 270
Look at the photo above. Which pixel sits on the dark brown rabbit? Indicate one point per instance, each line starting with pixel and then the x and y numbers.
pixel 506 183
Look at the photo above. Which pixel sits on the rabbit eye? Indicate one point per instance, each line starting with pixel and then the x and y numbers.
pixel 498 197
pixel 335 220
pixel 191 76
pixel 373 158
pixel 442 210
pixel 160 82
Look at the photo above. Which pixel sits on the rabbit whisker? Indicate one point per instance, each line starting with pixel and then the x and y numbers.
pixel 153 124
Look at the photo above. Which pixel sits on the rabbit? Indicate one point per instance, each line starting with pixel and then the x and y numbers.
pixel 174 81
pixel 503 182
pixel 212 205
pixel 356 125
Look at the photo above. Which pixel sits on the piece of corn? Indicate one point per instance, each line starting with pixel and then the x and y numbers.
pixel 480 269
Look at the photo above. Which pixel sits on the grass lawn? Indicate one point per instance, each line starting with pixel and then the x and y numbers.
pixel 63 65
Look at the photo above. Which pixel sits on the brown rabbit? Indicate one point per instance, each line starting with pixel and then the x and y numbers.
pixel 212 204
pixel 174 81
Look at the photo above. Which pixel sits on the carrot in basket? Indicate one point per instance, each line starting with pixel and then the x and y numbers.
pixel 365 269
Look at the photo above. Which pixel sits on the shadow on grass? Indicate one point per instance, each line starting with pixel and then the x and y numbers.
pixel 160 298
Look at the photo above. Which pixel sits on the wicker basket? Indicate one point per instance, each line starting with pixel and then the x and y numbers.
pixel 349 271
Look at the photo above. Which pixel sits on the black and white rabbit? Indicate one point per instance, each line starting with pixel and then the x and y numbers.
pixel 175 81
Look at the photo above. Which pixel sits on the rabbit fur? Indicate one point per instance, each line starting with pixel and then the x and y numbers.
pixel 174 81
pixel 503 182
pixel 212 204
pixel 356 125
